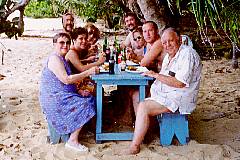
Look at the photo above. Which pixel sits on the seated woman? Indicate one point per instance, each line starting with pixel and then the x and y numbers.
pixel 65 109
pixel 76 54
pixel 140 46
pixel 93 36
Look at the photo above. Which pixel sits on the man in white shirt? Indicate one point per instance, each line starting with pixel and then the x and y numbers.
pixel 175 88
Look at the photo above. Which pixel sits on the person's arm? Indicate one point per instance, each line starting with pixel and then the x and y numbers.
pixel 155 50
pixel 127 42
pixel 168 80
pixel 73 57
pixel 57 67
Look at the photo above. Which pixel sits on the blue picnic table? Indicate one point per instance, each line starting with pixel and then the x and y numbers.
pixel 121 78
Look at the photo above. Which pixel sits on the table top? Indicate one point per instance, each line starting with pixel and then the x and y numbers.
pixel 123 75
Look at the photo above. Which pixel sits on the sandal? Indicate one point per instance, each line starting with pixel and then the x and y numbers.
pixel 77 147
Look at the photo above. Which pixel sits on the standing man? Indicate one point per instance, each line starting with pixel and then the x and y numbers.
pixel 68 23
pixel 175 88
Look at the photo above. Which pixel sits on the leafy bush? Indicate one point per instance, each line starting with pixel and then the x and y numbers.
pixel 39 9
pixel 89 9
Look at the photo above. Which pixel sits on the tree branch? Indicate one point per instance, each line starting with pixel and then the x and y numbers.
pixel 17 7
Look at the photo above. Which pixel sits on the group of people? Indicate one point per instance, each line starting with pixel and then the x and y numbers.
pixel 65 100
pixel 175 67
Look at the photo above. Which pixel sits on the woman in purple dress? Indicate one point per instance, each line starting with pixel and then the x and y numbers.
pixel 65 109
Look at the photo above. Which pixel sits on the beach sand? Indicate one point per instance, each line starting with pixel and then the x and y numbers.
pixel 214 125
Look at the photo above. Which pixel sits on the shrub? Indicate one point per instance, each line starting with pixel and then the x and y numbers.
pixel 39 9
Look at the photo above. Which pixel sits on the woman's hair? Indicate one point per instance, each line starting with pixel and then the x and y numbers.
pixel 96 32
pixel 58 35
pixel 78 31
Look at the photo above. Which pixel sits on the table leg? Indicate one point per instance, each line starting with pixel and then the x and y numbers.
pixel 141 92
pixel 99 112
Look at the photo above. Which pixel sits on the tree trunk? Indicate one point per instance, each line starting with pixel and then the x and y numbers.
pixel 20 5
pixel 134 7
pixel 234 58
pixel 21 23
pixel 153 11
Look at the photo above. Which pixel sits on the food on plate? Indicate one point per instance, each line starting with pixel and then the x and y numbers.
pixel 105 66
pixel 132 68
pixel 135 61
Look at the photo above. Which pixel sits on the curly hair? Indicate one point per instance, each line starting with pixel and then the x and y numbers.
pixel 78 31
pixel 94 29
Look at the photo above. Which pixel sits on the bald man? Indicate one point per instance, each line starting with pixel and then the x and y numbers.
pixel 175 88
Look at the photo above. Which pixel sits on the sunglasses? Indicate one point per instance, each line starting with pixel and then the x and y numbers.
pixel 63 43
pixel 137 38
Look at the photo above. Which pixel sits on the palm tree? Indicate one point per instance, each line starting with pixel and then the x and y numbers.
pixel 223 15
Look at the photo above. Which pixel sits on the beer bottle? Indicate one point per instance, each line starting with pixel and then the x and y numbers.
pixel 107 52
pixel 105 44
pixel 123 62
pixel 111 63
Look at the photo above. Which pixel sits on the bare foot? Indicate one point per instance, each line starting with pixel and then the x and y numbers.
pixel 134 149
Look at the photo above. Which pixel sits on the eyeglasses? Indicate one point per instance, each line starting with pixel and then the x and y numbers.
pixel 137 38
pixel 63 43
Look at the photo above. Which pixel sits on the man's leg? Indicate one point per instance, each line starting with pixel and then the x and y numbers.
pixel 135 100
pixel 145 110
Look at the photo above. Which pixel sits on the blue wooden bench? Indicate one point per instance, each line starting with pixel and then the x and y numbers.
pixel 171 124
pixel 54 137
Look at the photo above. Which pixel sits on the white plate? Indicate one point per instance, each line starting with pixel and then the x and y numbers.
pixel 102 70
pixel 139 70
pixel 131 63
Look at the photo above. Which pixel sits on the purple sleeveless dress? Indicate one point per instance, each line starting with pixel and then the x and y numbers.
pixel 64 108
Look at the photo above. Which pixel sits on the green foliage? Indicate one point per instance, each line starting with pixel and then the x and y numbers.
pixel 39 9
pixel 218 14
pixel 230 19
pixel 2 3
pixel 90 9
pixel 10 28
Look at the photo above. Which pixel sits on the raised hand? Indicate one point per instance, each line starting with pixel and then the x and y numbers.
pixel 102 58
pixel 129 52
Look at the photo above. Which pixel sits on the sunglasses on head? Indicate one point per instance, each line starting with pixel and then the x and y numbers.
pixel 63 42
pixel 137 38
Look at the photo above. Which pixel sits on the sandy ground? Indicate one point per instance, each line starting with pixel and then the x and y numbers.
pixel 214 125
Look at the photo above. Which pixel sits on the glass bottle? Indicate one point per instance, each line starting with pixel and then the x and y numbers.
pixel 108 52
pixel 123 61
pixel 105 44
pixel 111 63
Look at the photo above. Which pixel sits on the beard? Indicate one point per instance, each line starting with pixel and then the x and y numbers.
pixel 68 28
pixel 131 28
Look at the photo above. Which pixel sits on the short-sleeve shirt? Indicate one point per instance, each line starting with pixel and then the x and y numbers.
pixel 187 66
pixel 129 42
